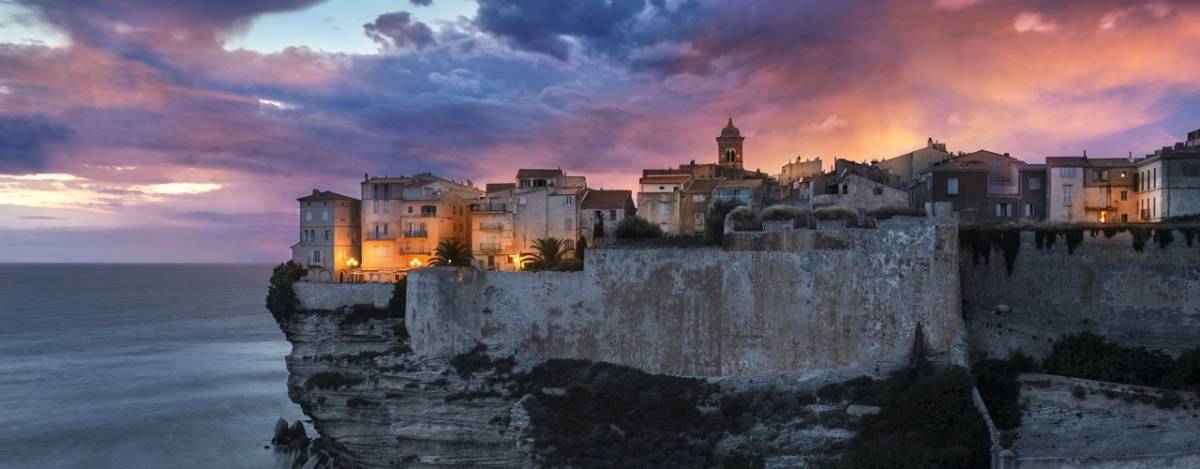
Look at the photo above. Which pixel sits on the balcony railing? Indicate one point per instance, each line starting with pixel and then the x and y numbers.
pixel 489 208
pixel 1099 208
pixel 416 234
pixel 427 214
pixel 372 236
pixel 489 248
pixel 491 226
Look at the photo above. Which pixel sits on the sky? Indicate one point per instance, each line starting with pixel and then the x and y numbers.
pixel 183 131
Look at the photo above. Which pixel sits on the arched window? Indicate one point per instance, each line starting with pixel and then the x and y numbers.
pixel 730 155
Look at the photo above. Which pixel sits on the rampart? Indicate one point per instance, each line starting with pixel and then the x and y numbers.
pixel 805 301
pixel 1149 298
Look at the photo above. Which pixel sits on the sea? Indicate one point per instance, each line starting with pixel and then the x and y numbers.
pixel 139 366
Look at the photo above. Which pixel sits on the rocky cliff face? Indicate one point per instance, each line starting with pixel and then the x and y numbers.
pixel 377 405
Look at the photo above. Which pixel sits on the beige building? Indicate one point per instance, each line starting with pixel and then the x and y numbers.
pixel 910 165
pixel 658 196
pixel 329 246
pixel 794 171
pixel 404 219
pixel 1091 190
pixel 494 229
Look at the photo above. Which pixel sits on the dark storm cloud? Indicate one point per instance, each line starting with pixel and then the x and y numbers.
pixel 398 30
pixel 25 142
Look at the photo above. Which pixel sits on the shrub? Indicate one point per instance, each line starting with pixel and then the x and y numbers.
pixel 281 297
pixel 783 212
pixel 1164 236
pixel 1089 356
pixel 1001 390
pixel 714 222
pixel 743 219
pixel 835 213
pixel 1186 375
pixel 581 248
pixel 477 360
pixel 1140 236
pixel 569 265
pixel 1010 242
pixel 636 227
pixel 1074 238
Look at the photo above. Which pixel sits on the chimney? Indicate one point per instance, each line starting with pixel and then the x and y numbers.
pixel 315 191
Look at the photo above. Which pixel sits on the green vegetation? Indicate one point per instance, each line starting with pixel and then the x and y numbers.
pixel 784 212
pixel 547 253
pixel 569 265
pixel 835 213
pixel 1000 389
pixel 1089 356
pixel 1164 237
pixel 451 252
pixel 598 229
pixel 743 219
pixel 477 360
pixel 636 227
pixel 1074 238
pixel 281 298
pixel 714 222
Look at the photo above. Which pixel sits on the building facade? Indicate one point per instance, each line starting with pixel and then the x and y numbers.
pixel 600 212
pixel 329 247
pixel 983 186
pixel 404 219
pixel 1090 190
pixel 856 187
pixel 494 229
pixel 1168 181
pixel 910 165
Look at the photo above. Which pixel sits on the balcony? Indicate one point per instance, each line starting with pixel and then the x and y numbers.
pixel 1099 208
pixel 490 248
pixel 489 207
pixel 372 236
pixel 491 226
pixel 426 214
pixel 416 234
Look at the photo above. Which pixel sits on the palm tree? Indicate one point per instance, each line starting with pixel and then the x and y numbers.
pixel 451 252
pixel 546 254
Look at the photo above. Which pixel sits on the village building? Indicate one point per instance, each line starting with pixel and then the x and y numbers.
pixel 600 212
pixel 494 229
pixel 1093 190
pixel 856 187
pixel 329 247
pixel 800 169
pixel 1168 181
pixel 982 186
pixel 404 219
pixel 660 196
pixel 694 204
pixel 910 165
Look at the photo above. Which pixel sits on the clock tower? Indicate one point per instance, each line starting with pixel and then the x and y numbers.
pixel 729 146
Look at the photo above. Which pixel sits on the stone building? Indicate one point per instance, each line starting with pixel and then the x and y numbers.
pixel 910 165
pixel 404 219
pixel 1093 190
pixel 694 204
pixel 329 246
pixel 509 217
pixel 856 187
pixel 604 209
pixel 983 186
pixel 800 169
pixel 1168 181
pixel 661 201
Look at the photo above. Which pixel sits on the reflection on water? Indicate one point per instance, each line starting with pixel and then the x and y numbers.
pixel 139 366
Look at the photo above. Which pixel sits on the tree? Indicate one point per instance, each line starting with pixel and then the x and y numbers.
pixel 580 248
pixel 547 253
pixel 714 223
pixel 451 252
pixel 638 227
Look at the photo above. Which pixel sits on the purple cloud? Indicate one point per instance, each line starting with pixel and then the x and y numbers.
pixel 398 30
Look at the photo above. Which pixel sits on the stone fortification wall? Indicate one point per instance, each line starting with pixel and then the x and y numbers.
pixel 786 302
pixel 1149 298
pixel 322 296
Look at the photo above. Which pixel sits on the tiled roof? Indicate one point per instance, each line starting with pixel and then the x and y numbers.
pixel 499 186
pixel 538 173
pixel 1085 162
pixel 702 186
pixel 325 195
pixel 599 198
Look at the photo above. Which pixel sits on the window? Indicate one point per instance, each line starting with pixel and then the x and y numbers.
pixel 698 198
pixel 325 215
pixel 1067 172
pixel 1155 177
pixel 1004 209
pixel 1101 174
pixel 428 210
pixel 1035 183
pixel 845 188
pixel 699 218
pixel 410 209
pixel 599 216
pixel 612 215
pixel 1124 218
pixel 952 186
pixel 316 257
pixel 328 235
pixel 1067 195
pixel 662 188
pixel 307 216
pixel 1028 210
pixel 385 229
pixel 569 243
pixel 664 212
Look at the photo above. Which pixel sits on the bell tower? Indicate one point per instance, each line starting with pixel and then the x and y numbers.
pixel 729 146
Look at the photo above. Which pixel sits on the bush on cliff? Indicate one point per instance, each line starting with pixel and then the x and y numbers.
pixel 637 228
pixel 1186 375
pixel 1000 389
pixel 281 297
pixel 1089 356
pixel 744 219
pixel 784 212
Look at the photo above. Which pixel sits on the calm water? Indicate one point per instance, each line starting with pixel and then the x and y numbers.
pixel 130 366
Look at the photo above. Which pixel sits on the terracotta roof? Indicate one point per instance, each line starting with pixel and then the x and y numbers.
pixel 599 198
pixel 499 186
pixel 702 186
pixel 665 180
pixel 538 173
pixel 325 195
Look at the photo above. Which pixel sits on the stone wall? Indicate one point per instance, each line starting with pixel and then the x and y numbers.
pixel 322 296
pixel 1149 298
pixel 808 301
